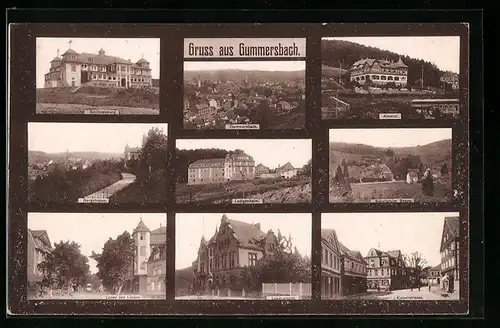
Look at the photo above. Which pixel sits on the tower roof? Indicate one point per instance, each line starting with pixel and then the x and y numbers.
pixel 57 59
pixel 142 60
pixel 141 227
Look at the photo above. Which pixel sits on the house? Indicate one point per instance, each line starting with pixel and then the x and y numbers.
pixel 132 153
pixel 450 78
pixel 386 270
pixel 450 274
pixel 412 176
pixel 261 169
pixel 434 275
pixel 379 72
pixel 75 69
pixel 39 246
pixel 236 165
pixel 343 271
pixel 287 171
pixel 376 172
pixel 149 267
pixel 234 246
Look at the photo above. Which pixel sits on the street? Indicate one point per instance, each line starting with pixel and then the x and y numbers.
pixel 112 189
pixel 210 297
pixel 83 295
pixel 406 295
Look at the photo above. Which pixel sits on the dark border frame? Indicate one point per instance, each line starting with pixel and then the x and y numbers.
pixel 18 207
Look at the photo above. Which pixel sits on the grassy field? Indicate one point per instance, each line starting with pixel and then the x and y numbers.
pixel 361 193
pixel 127 101
pixel 293 191
pixel 366 106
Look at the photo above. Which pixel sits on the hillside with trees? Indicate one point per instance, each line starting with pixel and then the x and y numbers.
pixel 340 53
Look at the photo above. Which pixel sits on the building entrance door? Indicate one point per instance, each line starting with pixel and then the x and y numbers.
pixel 124 82
pixel 72 83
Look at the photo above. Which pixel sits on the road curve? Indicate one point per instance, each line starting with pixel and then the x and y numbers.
pixel 107 192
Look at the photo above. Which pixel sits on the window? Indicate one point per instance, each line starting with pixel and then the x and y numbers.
pixel 141 236
pixel 252 259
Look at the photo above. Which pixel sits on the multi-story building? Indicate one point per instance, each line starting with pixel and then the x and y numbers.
pixel 287 171
pixel 39 246
pixel 235 166
pixel 386 270
pixel 149 267
pixel 343 272
pixel 132 152
pixel 74 69
pixel 261 169
pixel 450 78
pixel 450 274
pixel 434 275
pixel 379 71
pixel 233 246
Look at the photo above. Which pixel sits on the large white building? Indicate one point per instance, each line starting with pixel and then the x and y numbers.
pixel 74 69
pixel 380 71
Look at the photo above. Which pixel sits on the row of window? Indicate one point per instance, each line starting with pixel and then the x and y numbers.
pixel 102 68
pixel 383 70
pixel 385 272
pixel 381 78
pixel 449 263
pixel 330 259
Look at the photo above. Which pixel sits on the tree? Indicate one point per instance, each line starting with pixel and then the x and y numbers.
pixel 444 169
pixel 345 173
pixel 64 267
pixel 339 177
pixel 389 152
pixel 307 168
pixel 154 150
pixel 416 263
pixel 115 263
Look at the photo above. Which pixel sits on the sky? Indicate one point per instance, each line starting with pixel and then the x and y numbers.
pixel 443 51
pixel 91 230
pixel 284 65
pixel 99 137
pixel 408 232
pixel 133 49
pixel 401 137
pixel 189 228
pixel 279 151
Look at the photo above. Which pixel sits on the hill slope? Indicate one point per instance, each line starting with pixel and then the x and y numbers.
pixel 347 53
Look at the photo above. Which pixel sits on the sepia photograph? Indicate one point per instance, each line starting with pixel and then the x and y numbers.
pixel 244 95
pixel 97 163
pixel 402 77
pixel 394 165
pixel 395 256
pixel 243 171
pixel 101 76
pixel 243 256
pixel 86 256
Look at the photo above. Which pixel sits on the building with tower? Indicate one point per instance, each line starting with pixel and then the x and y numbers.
pixel 379 72
pixel 149 266
pixel 74 69
pixel 237 165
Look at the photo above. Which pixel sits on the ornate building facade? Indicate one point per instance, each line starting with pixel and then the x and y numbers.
pixel 233 246
pixel 343 271
pixel 386 270
pixel 380 71
pixel 75 69
pixel 235 166
pixel 450 264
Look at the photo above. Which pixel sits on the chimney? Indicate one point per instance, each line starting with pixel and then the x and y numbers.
pixel 257 225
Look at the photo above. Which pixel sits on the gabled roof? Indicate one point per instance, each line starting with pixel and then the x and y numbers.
pixel 159 236
pixel 452 226
pixel 328 235
pixel 141 227
pixel 436 268
pixel 394 253
pixel 287 167
pixel 41 239
pixel 100 59
pixel 246 233
pixel 212 161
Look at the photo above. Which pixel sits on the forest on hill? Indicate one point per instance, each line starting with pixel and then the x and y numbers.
pixel 340 53
pixel 241 75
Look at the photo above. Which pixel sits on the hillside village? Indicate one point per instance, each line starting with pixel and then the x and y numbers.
pixel 213 104
pixel 361 171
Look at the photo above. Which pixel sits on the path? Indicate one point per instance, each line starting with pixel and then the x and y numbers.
pixel 403 294
pixel 112 189
pixel 376 182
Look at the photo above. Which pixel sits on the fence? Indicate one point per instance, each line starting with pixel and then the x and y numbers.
pixel 297 290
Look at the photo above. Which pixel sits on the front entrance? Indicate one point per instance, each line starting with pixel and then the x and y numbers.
pixel 72 83
pixel 124 82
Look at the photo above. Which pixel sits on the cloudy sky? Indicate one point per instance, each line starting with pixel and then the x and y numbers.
pixel 91 230
pixel 408 232
pixel 403 137
pixel 100 137
pixel 133 49
pixel 286 65
pixel 189 228
pixel 444 51
pixel 269 152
